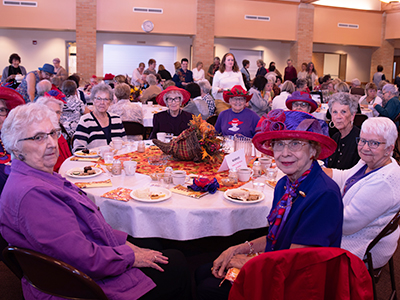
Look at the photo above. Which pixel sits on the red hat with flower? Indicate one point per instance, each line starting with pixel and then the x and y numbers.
pixel 237 91
pixel 282 125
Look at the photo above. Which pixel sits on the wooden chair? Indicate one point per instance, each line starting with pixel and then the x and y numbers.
pixel 212 119
pixel 134 128
pixel 359 119
pixel 51 276
pixel 376 273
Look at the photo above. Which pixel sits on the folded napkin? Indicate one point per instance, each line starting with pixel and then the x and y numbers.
pixel 122 194
pixel 75 158
pixel 94 184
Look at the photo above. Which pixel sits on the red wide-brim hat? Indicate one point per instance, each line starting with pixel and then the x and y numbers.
pixel 12 97
pixel 280 125
pixel 185 95
pixel 237 91
pixel 303 97
pixel 108 76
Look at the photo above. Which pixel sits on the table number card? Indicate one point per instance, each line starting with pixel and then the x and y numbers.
pixel 236 160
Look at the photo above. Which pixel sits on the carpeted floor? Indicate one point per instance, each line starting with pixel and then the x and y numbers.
pixel 197 253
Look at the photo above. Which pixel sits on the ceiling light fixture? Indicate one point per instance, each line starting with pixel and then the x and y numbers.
pixel 390 1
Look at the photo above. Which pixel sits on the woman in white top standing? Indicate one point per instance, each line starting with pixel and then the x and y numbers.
pixel 198 72
pixel 227 76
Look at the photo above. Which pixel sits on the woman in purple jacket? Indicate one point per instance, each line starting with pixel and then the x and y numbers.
pixel 49 214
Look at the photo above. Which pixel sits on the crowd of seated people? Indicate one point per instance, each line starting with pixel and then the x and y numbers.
pixel 358 159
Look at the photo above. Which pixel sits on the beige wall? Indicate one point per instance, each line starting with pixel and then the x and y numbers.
pixel 392 26
pixel 230 22
pixel 50 44
pixel 326 28
pixel 49 14
pixel 179 16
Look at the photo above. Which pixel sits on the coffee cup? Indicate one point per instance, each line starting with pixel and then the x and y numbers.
pixel 244 174
pixel 117 144
pixel 178 177
pixel 130 167
pixel 265 162
pixel 161 136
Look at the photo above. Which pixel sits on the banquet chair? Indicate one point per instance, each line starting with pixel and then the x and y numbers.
pixel 212 119
pixel 359 119
pixel 303 273
pixel 134 128
pixel 51 276
pixel 376 273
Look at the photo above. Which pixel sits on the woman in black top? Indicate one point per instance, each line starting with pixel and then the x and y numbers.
pixel 11 71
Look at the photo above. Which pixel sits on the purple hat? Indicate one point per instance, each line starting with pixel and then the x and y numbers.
pixel 303 97
pixel 48 68
pixel 279 125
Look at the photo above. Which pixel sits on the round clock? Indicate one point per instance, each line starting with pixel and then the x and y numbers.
pixel 147 26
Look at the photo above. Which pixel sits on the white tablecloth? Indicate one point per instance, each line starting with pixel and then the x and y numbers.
pixel 322 113
pixel 148 113
pixel 178 218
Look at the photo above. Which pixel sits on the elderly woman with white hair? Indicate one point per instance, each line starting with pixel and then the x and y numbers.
pixel 52 216
pixel 57 106
pixel 390 106
pixel 205 88
pixel 152 91
pixel 370 191
pixel 174 120
pixel 279 102
pixel 98 127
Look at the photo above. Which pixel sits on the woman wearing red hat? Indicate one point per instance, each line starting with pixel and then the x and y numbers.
pixel 307 210
pixel 174 120
pixel 237 119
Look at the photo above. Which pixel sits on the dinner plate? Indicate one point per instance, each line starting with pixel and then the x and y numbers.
pixel 92 154
pixel 69 173
pixel 228 192
pixel 135 194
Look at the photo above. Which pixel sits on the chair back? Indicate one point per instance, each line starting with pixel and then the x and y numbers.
pixel 212 119
pixel 303 273
pixel 133 128
pixel 359 119
pixel 51 276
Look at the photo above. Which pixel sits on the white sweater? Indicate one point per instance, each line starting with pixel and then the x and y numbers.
pixel 369 205
pixel 226 80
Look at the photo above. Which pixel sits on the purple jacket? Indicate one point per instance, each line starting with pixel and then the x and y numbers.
pixel 48 214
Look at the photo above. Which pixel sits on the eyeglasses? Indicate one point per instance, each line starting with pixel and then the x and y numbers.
pixel 101 99
pixel 176 99
pixel 300 104
pixel 41 136
pixel 3 111
pixel 293 146
pixel 372 144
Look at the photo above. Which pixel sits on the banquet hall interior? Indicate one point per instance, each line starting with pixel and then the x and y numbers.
pixel 346 39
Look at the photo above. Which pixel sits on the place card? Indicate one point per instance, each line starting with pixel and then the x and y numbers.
pixel 236 160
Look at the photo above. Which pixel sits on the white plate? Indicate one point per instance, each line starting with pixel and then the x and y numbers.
pixel 92 154
pixel 69 173
pixel 167 193
pixel 228 192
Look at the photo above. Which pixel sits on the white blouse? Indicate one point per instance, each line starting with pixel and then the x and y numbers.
pixel 198 75
pixel 226 80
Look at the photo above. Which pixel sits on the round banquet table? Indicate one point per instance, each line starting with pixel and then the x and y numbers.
pixel 177 218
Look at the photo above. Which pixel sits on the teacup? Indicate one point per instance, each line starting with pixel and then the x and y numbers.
pixel 161 136
pixel 178 177
pixel 130 167
pixel 265 162
pixel 117 144
pixel 244 174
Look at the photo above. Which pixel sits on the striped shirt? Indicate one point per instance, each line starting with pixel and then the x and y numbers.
pixel 89 134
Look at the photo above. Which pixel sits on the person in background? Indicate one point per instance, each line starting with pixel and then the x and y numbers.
pixel 152 91
pixel 27 88
pixel 119 79
pixel 164 73
pixel 356 88
pixel 301 101
pixel 174 120
pixel 97 128
pixel 245 72
pixel 177 66
pixel 183 76
pixel 390 106
pixel 109 79
pixel 196 106
pixel 152 66
pixel 198 72
pixel 227 76
pixel 81 95
pixel 343 110
pixel 10 72
pixel 397 81
pixel 379 75
pixel 42 87
pixel 205 88
pixel 257 102
pixel 261 71
pixel 168 83
pixel 272 68
pixel 370 192
pixel 370 98
pixel 137 75
pixel 238 119
pixel 61 73
pixel 301 85
pixel 290 72
pixel 92 83
pixel 278 83
pixel 279 102
pixel 303 73
pixel 312 77
pixel 214 67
